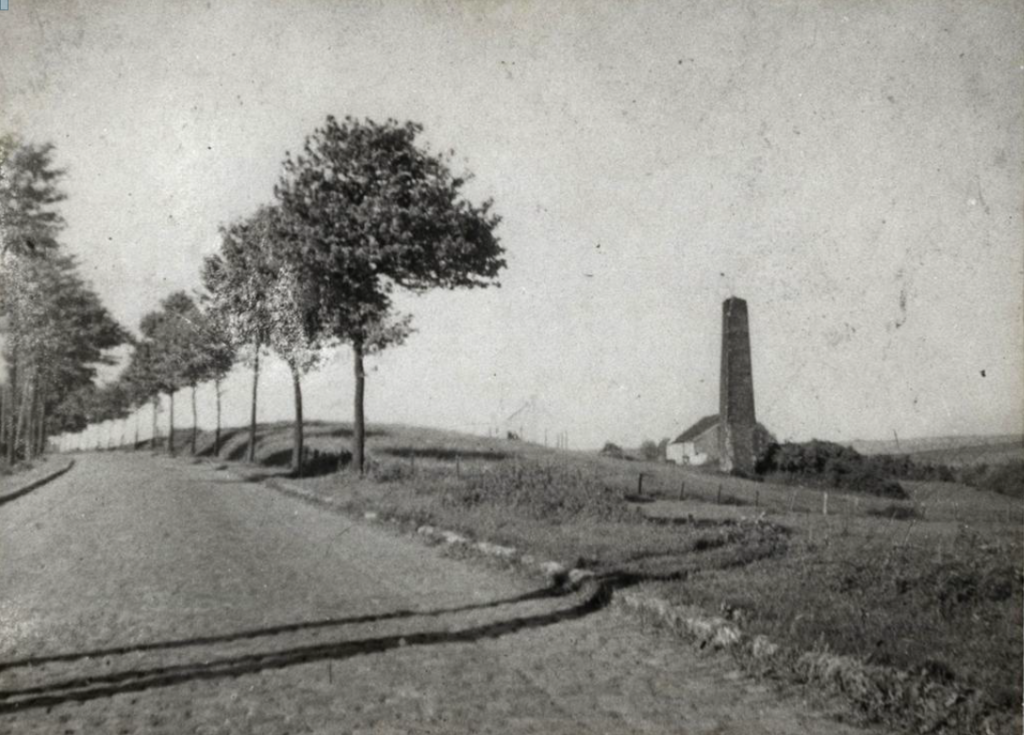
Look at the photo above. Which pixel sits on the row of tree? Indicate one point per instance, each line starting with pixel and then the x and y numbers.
pixel 364 210
pixel 54 330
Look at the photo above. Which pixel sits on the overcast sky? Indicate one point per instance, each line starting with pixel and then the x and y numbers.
pixel 852 169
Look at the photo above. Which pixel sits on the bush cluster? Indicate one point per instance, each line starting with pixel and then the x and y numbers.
pixel 902 467
pixel 830 465
pixel 610 449
pixel 1007 479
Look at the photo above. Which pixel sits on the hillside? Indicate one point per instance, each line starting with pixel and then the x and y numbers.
pixel 949 449
pixel 891 590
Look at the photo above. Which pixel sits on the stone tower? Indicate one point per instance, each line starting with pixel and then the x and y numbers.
pixel 737 424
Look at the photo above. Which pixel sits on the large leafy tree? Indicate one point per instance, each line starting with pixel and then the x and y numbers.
pixel 29 225
pixel 239 279
pixel 29 192
pixel 140 378
pixel 219 358
pixel 369 209
pixel 260 297
pixel 112 405
pixel 181 339
pixel 58 333
pixel 294 340
pixel 53 329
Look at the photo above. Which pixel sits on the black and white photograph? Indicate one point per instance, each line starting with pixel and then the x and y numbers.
pixel 372 367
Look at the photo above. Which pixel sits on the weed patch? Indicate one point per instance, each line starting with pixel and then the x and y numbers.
pixel 896 512
pixel 915 619
pixel 545 492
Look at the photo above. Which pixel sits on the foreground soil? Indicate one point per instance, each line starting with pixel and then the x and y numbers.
pixel 144 595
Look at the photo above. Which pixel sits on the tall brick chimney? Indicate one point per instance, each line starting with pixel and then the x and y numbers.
pixel 736 420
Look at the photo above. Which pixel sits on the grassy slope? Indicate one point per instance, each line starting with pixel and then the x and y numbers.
pixel 940 593
pixel 969 455
pixel 934 443
pixel 12 478
pixel 951 451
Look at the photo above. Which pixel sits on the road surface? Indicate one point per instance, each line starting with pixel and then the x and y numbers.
pixel 141 594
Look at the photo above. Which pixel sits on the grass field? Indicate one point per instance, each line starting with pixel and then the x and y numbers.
pixel 930 586
pixel 973 454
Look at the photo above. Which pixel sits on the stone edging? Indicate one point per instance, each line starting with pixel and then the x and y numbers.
pixel 880 693
pixel 39 482
pixel 552 570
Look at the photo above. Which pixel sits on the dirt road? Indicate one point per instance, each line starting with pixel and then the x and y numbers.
pixel 145 595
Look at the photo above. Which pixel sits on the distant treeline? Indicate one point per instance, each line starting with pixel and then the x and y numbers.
pixel 828 464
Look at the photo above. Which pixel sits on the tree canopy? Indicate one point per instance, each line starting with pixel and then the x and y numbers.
pixel 58 333
pixel 54 331
pixel 29 192
pixel 367 209
pixel 240 277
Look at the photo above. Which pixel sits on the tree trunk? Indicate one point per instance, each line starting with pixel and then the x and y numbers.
pixel 252 418
pixel 12 412
pixel 297 446
pixel 135 446
pixel 156 410
pixel 170 428
pixel 33 436
pixel 19 421
pixel 216 435
pixel 193 420
pixel 3 421
pixel 27 406
pixel 359 426
pixel 41 423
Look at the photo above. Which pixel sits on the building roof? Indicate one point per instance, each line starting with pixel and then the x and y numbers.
pixel 697 429
pixel 710 422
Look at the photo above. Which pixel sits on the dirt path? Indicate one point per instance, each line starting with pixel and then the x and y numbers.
pixel 140 595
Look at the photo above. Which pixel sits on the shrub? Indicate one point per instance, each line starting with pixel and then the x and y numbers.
pixel 324 463
pixel 831 465
pixel 389 471
pixel 613 450
pixel 899 512
pixel 1006 479
pixel 651 451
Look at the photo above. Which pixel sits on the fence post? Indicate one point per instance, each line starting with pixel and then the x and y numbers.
pixel 640 484
pixel 757 497
pixel 792 501
pixel 682 490
pixel 458 465
pixel 824 503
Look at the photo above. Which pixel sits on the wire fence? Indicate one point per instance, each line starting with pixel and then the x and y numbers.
pixel 972 507
pixel 686 489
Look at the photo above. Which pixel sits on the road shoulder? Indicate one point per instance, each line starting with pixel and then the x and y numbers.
pixel 15 486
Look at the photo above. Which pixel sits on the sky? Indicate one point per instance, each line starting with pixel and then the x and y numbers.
pixel 853 170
